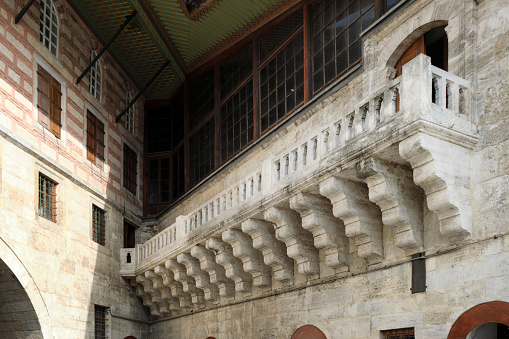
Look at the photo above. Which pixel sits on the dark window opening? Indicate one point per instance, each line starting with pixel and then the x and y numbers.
pixel 100 325
pixel 130 169
pixel 47 198
pixel 418 273
pixel 193 5
pixel 98 225
pixel 436 47
pixel 402 333
pixel 129 235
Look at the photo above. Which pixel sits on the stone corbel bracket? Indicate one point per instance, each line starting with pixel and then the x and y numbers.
pixel 328 231
pixel 188 283
pixel 201 277
pixel 273 250
pixel 147 294
pixel 391 187
pixel 299 242
pixel 169 301
pixel 175 287
pixel 216 272
pixel 362 218
pixel 252 259
pixel 443 169
pixel 232 264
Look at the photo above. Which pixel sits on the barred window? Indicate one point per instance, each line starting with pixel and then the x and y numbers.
pixel 95 140
pixel 402 333
pixel 48 26
pixel 129 117
pixel 130 169
pixel 98 225
pixel 95 77
pixel 100 325
pixel 47 198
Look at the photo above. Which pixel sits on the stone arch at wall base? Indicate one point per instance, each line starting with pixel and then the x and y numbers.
pixel 308 332
pixel 25 279
pixel 490 312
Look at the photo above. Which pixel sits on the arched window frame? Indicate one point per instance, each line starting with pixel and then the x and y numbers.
pixel 48 28
pixel 95 85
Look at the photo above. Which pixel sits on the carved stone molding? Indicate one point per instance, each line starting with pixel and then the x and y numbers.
pixel 362 218
pixel 274 251
pixel 175 287
pixel 168 300
pixel 252 259
pixel 391 187
pixel 328 231
pixel 443 169
pixel 216 272
pixel 201 277
pixel 299 242
pixel 188 283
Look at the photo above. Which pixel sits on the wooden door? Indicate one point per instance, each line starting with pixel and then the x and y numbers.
pixel 418 47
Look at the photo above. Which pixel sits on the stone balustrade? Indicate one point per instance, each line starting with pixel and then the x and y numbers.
pixel 323 200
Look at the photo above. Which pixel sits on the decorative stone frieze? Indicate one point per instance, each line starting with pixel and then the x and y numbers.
pixel 391 187
pixel 188 283
pixel 443 169
pixel 157 282
pixel 299 242
pixel 175 287
pixel 274 251
pixel 362 218
pixel 217 272
pixel 252 259
pixel 232 264
pixel 328 231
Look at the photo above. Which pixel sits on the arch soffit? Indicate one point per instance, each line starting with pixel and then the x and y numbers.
pixel 490 312
pixel 16 266
pixel 308 331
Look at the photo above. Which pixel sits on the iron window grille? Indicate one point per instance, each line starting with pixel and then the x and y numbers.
pixel 48 26
pixel 47 198
pixel 95 77
pixel 98 225
pixel 129 117
pixel 100 323
pixel 402 333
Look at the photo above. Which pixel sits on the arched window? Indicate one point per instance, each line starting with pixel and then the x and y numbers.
pixel 48 27
pixel 308 332
pixel 95 77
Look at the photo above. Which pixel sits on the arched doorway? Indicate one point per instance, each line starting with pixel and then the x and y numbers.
pixel 18 318
pixel 477 321
pixel 308 332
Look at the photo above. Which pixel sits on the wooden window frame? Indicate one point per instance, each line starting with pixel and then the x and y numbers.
pixel 49 25
pixel 98 225
pixel 95 78
pixel 130 173
pixel 47 198
pixel 96 137
pixel 49 101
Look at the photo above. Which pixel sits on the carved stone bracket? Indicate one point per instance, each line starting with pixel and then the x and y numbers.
pixel 145 297
pixel 391 187
pixel 217 272
pixel 175 286
pixel 252 259
pixel 201 277
pixel 232 264
pixel 328 231
pixel 188 283
pixel 443 169
pixel 274 251
pixel 299 242
pixel 156 303
pixel 362 218
pixel 168 300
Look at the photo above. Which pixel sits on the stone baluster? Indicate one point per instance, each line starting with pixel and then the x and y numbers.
pixel 233 265
pixel 188 283
pixel 299 242
pixel 176 287
pixel 391 187
pixel 200 276
pixel 252 259
pixel 273 250
pixel 328 231
pixel 362 218
pixel 216 272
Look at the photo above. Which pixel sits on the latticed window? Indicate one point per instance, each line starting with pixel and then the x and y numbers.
pixel 47 198
pixel 98 225
pixel 49 97
pixel 402 333
pixel 129 117
pixel 95 77
pixel 95 140
pixel 100 313
pixel 48 27
pixel 130 169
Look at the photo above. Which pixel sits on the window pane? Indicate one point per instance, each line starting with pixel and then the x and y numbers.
pixel 235 69
pixel 201 94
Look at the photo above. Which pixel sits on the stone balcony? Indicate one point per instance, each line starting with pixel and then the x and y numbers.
pixel 311 210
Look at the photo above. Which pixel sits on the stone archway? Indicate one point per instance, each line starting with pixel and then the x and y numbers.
pixel 490 312
pixel 308 332
pixel 23 295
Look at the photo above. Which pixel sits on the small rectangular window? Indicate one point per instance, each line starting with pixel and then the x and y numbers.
pixel 98 225
pixel 95 140
pixel 130 169
pixel 402 333
pixel 100 324
pixel 47 198
pixel 418 273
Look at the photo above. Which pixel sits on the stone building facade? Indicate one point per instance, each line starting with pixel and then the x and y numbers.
pixel 375 209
